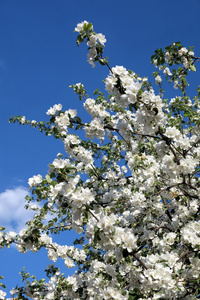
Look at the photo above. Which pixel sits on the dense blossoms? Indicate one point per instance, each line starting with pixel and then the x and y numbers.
pixel 130 189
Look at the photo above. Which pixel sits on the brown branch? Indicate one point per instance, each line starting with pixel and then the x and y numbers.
pixel 167 211
pixel 192 146
pixel 163 226
pixel 187 194
pixel 192 187
pixel 184 254
pixel 123 138
pixel 93 215
pixel 175 156
pixel 138 259
pixel 166 139
pixel 134 132
pixel 167 188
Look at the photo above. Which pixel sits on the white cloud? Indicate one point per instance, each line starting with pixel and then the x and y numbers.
pixel 13 215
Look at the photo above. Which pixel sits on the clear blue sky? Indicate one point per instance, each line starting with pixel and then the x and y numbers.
pixel 39 59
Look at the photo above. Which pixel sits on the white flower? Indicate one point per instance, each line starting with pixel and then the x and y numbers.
pixel 23 120
pixel 124 169
pixel 52 255
pixel 14 291
pixel 119 70
pixel 91 56
pixel 182 51
pixel 101 38
pixel 95 128
pixel 170 237
pixel 63 120
pixel 10 236
pixel 188 165
pixel 106 223
pixel 155 62
pixel 2 294
pixel 35 180
pixel 1 236
pixel 172 132
pixel 70 141
pixel 33 123
pixel 79 26
pixel 191 53
pixel 92 40
pixel 167 57
pixel 176 84
pixel 129 240
pixel 158 79
pixel 79 85
pixel 69 263
pixel 61 163
pixel 54 109
pixel 167 71
pixel 33 207
pixel 82 197
pixel 62 251
pixel 132 90
pixel 45 239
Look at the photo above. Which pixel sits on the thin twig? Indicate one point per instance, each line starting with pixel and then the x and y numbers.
pixel 93 215
pixel 163 226
pixel 182 255
pixel 138 259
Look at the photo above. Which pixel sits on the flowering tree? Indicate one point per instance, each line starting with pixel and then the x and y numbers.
pixel 130 189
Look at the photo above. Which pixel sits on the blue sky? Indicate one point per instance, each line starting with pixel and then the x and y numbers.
pixel 39 59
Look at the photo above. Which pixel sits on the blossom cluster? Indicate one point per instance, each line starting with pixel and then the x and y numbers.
pixel 130 189
pixel 95 41
pixel 174 55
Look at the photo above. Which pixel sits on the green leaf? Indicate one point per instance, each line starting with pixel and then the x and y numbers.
pixel 70 168
pixel 193 68
pixel 80 39
pixel 2 229
pixel 78 126
pixel 156 110
pixel 102 62
pixel 89 26
pixel 78 120
pixel 96 235
pixel 48 178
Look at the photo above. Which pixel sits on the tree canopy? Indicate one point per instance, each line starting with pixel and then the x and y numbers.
pixel 130 188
